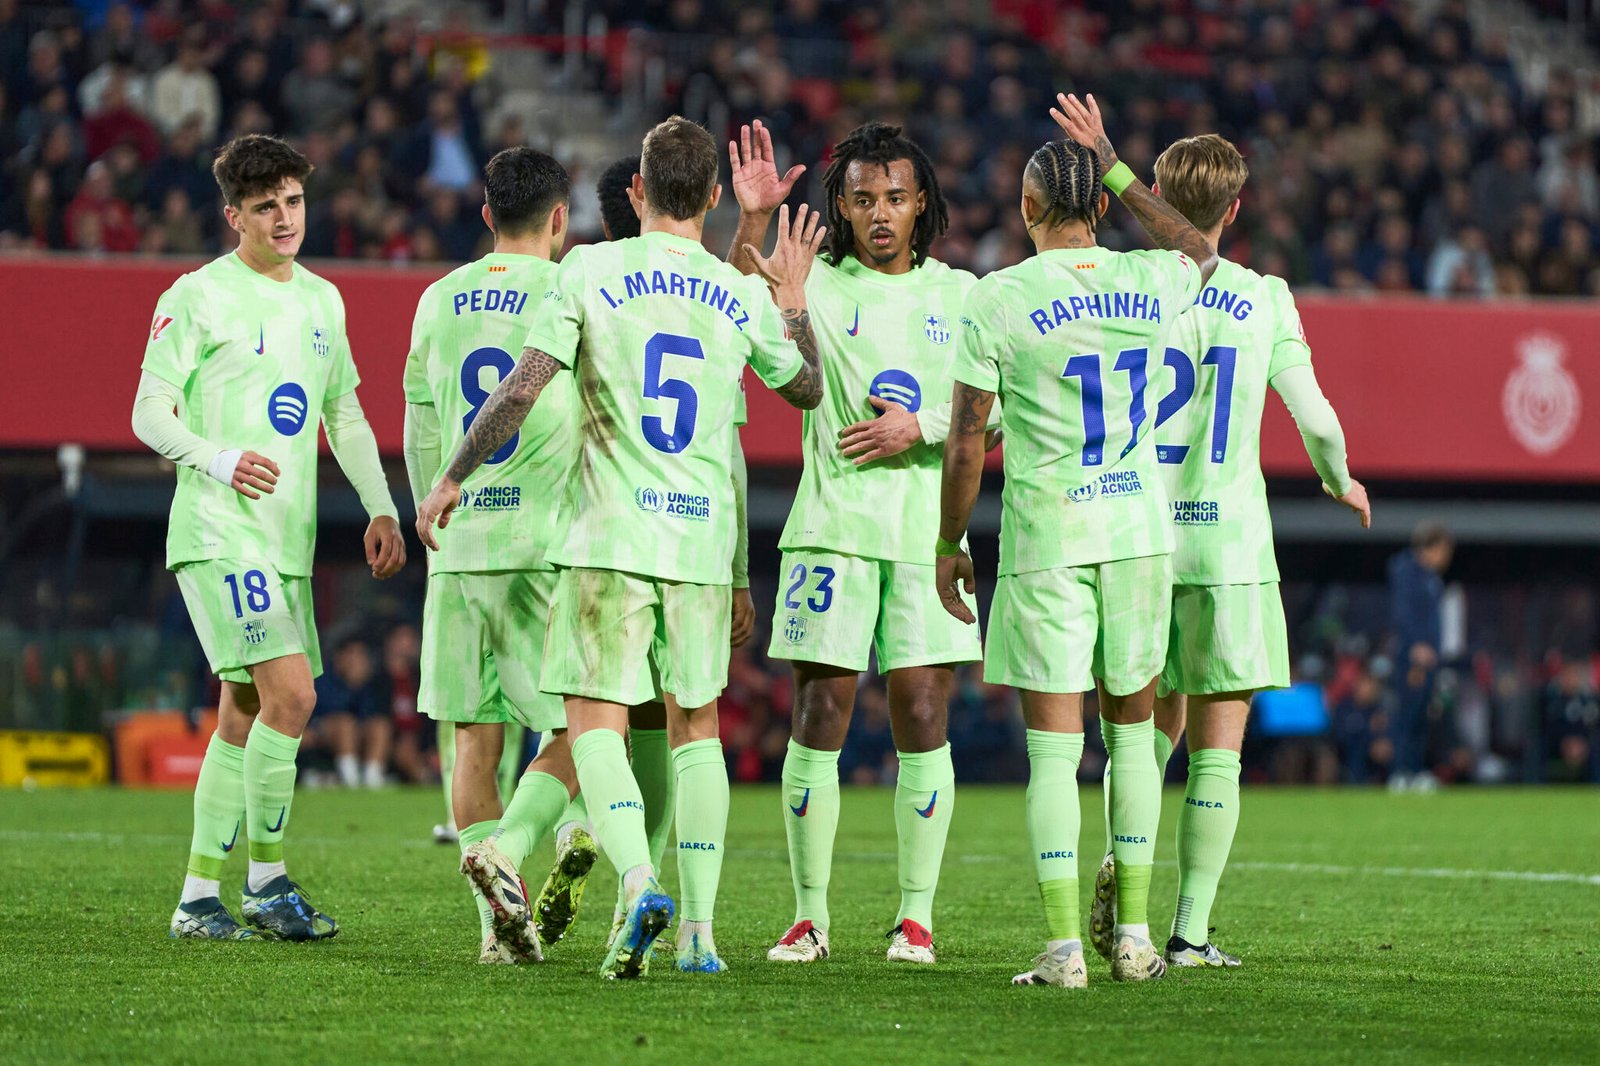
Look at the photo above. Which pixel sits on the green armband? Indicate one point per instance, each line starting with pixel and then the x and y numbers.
pixel 944 547
pixel 1118 177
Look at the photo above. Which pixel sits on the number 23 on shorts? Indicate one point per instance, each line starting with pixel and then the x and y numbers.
pixel 820 597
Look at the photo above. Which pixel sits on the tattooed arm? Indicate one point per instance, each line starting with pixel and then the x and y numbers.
pixel 804 390
pixel 1166 226
pixel 963 473
pixel 498 420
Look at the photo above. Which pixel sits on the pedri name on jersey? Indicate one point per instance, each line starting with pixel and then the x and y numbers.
pixel 508 300
pixel 1100 305
pixel 670 283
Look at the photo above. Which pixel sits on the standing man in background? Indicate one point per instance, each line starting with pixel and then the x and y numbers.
pixel 1416 594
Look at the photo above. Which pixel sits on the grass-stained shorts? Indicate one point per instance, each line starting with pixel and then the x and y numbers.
pixel 606 628
pixel 247 613
pixel 1058 630
pixel 1226 638
pixel 482 644
pixel 835 609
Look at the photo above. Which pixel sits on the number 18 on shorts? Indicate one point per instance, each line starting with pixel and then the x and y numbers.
pixel 247 613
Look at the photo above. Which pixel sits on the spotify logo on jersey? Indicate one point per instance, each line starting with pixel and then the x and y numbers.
pixel 286 408
pixel 898 387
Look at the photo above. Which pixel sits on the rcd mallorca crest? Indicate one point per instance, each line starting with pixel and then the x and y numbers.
pixel 1541 399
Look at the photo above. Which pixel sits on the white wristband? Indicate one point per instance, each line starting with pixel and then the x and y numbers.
pixel 223 465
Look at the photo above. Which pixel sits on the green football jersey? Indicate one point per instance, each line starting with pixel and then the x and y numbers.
pixel 1220 357
pixel 657 332
pixel 256 359
pixel 1071 342
pixel 466 338
pixel 891 336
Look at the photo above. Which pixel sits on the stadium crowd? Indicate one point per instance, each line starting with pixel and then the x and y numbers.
pixel 1392 150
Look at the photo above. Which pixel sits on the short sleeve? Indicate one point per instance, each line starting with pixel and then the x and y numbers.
pixel 416 372
pixel 559 319
pixel 1181 276
pixel 977 360
pixel 1289 347
pixel 773 356
pixel 342 376
pixel 176 343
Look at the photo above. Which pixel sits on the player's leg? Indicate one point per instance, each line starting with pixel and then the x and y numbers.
pixel 1042 629
pixel 1235 642
pixel 924 799
pixel 651 758
pixel 445 738
pixel 1207 822
pixel 476 809
pixel 827 609
pixel 511 758
pixel 1135 597
pixel 918 644
pixel 602 625
pixel 218 818
pixel 691 649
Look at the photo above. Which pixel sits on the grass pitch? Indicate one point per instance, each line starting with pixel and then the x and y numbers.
pixel 1373 928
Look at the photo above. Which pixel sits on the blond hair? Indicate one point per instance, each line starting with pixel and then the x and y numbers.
pixel 1201 176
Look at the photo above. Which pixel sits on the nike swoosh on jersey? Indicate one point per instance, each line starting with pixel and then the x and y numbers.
pixel 855 326
pixel 261 343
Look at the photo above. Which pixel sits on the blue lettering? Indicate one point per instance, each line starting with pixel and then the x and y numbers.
pixel 477 299
pixel 694 283
pixel 658 282
pixel 718 298
pixel 1155 309
pixel 676 287
pixel 491 302
pixel 1141 305
pixel 634 284
pixel 609 299
pixel 1060 310
pixel 1077 306
pixel 460 302
pixel 1119 304
pixel 1242 312
pixel 1041 321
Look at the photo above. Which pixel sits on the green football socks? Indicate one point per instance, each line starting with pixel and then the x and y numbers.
pixel 1053 821
pixel 218 817
pixel 654 767
pixel 269 774
pixel 1135 786
pixel 702 817
pixel 613 798
pixel 534 808
pixel 470 835
pixel 924 799
pixel 1206 825
pixel 810 819
pixel 1163 755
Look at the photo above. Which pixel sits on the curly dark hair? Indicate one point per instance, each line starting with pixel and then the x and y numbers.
pixel 522 186
pixel 878 142
pixel 1067 175
pixel 616 210
pixel 256 164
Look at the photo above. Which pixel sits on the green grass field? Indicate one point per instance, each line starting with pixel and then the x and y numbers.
pixel 1373 928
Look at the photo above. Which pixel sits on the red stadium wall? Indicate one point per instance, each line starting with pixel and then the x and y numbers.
pixel 1426 389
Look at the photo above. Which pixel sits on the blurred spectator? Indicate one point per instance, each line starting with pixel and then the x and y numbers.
pixel 114 120
pixel 868 757
pixel 402 662
pixel 97 221
pixel 1416 592
pixel 351 721
pixel 185 90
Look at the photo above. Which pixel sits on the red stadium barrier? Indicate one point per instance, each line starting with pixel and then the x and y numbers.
pixel 1426 389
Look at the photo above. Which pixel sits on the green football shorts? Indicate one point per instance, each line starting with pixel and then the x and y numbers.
pixel 1058 630
pixel 482 639
pixel 834 609
pixel 247 613
pixel 608 629
pixel 1226 638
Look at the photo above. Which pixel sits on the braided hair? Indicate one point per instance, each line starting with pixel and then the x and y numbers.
pixel 1068 174
pixel 877 142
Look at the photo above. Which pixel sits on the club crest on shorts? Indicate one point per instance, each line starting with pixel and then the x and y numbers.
pixel 937 327
pixel 794 629
pixel 255 631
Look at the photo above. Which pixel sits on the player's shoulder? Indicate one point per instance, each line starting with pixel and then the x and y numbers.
pixel 942 273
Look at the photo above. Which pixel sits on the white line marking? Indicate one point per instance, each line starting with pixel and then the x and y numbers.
pixel 1443 872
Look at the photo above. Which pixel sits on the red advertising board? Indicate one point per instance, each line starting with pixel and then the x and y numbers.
pixel 1426 389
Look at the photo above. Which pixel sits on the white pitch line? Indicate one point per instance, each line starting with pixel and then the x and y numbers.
pixel 1446 873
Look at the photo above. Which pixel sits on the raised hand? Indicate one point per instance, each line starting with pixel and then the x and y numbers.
pixel 790 262
pixel 756 185
pixel 254 472
pixel 1082 122
pixel 1356 500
